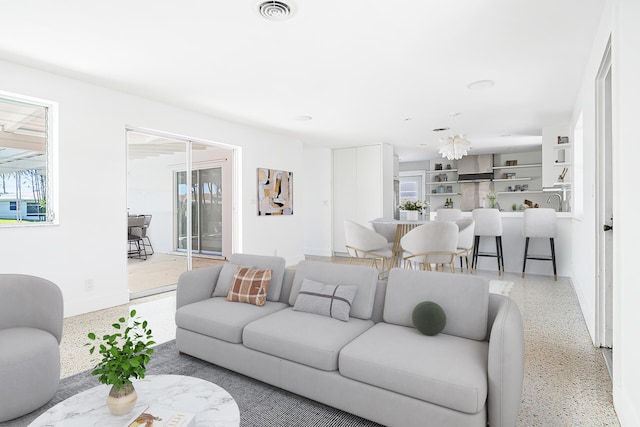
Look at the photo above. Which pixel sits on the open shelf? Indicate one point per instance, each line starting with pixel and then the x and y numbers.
pixel 562 164
pixel 521 192
pixel 443 170
pixel 562 146
pixel 536 165
pixel 512 179
pixel 441 182
pixel 444 194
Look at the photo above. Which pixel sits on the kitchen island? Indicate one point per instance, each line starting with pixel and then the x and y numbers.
pixel 513 246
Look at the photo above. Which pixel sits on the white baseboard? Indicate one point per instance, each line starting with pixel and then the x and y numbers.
pixel 76 306
pixel 317 252
pixel 626 410
pixel 588 313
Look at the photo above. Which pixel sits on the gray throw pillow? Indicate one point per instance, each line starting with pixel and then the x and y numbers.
pixel 225 280
pixel 327 300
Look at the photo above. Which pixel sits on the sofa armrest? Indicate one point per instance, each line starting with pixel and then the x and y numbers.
pixel 196 285
pixel 506 361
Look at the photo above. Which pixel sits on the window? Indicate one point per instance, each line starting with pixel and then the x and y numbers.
pixel 412 185
pixel 26 160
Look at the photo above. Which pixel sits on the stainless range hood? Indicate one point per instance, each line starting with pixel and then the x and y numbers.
pixel 476 168
pixel 474 174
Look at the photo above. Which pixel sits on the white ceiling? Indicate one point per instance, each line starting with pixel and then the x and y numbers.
pixel 367 71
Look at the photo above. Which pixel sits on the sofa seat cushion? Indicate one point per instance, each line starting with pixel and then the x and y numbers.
pixel 221 319
pixel 443 369
pixel 309 339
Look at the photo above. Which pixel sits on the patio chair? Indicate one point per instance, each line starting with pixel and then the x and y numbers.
pixel 134 238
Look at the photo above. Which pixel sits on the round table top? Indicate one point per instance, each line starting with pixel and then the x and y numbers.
pixel 211 404
pixel 399 221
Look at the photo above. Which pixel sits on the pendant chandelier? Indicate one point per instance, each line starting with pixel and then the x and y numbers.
pixel 454 147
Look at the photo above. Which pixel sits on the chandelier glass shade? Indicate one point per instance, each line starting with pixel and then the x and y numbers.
pixel 454 147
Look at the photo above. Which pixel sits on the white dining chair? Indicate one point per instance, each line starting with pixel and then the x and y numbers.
pixel 466 230
pixel 388 229
pixel 433 243
pixel 362 242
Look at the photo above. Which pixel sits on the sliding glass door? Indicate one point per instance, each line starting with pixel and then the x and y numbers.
pixel 206 210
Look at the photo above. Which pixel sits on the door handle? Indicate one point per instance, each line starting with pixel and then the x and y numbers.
pixel 607 227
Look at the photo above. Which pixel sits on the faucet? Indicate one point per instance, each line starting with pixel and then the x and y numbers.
pixel 559 200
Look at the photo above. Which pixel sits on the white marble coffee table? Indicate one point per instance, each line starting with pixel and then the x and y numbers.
pixel 213 406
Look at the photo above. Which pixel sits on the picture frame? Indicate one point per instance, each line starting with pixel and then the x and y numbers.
pixel 275 192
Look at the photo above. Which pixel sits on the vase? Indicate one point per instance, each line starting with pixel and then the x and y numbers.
pixel 412 215
pixel 122 400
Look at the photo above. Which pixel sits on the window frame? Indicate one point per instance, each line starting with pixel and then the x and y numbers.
pixel 51 164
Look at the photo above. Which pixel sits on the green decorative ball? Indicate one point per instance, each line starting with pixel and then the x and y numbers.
pixel 429 318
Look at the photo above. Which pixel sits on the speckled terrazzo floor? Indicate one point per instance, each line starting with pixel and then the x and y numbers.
pixel 158 310
pixel 566 381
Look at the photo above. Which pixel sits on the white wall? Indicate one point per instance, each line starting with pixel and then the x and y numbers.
pixel 317 201
pixel 619 21
pixel 626 111
pixel 90 241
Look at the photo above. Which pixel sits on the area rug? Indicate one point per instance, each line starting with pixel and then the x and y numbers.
pixel 260 404
pixel 500 287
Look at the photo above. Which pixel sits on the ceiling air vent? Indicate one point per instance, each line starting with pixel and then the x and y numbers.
pixel 275 10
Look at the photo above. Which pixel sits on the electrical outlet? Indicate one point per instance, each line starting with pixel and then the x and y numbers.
pixel 88 285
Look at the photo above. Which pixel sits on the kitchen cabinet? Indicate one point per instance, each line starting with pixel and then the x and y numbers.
pixel 362 187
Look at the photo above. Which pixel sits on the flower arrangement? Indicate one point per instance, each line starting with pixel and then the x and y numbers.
pixel 492 198
pixel 413 205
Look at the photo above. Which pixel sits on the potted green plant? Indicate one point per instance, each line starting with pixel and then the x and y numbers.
pixel 413 208
pixel 125 355
pixel 492 199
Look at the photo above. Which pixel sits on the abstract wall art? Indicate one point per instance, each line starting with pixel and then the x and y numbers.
pixel 275 192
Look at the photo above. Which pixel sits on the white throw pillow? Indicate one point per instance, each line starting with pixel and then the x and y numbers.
pixel 328 300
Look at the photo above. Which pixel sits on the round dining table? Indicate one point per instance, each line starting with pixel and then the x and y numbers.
pixel 402 228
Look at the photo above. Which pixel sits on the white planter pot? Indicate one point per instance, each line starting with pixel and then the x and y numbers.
pixel 413 215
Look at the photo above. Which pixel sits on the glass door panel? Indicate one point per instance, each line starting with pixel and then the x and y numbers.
pixel 206 210
pixel 210 210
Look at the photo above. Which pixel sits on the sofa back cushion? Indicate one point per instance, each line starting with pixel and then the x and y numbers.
pixel 364 278
pixel 464 299
pixel 275 264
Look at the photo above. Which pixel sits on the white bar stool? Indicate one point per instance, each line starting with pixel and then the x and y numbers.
pixel 540 223
pixel 446 214
pixel 488 224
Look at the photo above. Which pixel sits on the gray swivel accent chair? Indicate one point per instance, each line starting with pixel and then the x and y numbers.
pixel 488 224
pixel 540 223
pixel 31 312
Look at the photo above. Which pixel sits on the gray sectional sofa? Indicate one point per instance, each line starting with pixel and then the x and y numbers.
pixel 376 364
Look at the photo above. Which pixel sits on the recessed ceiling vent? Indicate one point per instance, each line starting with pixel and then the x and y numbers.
pixel 275 10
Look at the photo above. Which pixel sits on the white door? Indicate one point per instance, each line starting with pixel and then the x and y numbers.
pixel 604 202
